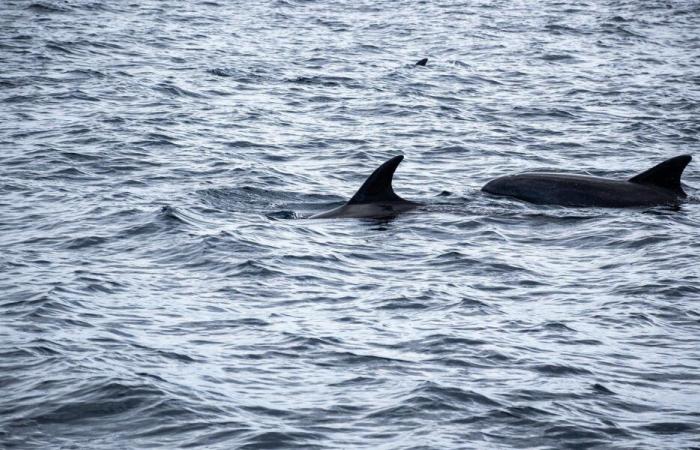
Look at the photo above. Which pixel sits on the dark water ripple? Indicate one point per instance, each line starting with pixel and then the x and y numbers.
pixel 161 289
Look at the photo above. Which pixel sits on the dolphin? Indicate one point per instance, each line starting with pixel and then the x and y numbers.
pixel 375 199
pixel 422 62
pixel 660 185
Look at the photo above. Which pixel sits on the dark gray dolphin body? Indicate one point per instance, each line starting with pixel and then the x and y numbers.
pixel 375 199
pixel 660 185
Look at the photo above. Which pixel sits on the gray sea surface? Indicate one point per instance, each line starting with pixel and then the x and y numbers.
pixel 161 286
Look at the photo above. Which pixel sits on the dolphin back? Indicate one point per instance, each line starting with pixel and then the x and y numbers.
pixel 666 175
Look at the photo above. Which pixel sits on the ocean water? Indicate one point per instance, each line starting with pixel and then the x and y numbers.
pixel 161 288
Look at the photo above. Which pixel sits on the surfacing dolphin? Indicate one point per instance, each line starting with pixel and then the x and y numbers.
pixel 375 199
pixel 660 185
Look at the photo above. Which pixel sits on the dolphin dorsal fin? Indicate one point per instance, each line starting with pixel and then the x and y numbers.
pixel 666 175
pixel 377 188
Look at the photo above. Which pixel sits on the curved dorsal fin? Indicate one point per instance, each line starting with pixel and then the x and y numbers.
pixel 377 188
pixel 666 175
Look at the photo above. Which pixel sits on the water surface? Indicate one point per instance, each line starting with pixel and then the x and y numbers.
pixel 161 289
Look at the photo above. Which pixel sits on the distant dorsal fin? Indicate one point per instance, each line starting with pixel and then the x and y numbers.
pixel 422 62
pixel 377 188
pixel 666 175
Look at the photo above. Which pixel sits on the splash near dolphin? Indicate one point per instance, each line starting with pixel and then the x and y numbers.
pixel 375 199
pixel 658 186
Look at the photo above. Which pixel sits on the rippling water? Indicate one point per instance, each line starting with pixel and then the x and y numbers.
pixel 161 288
